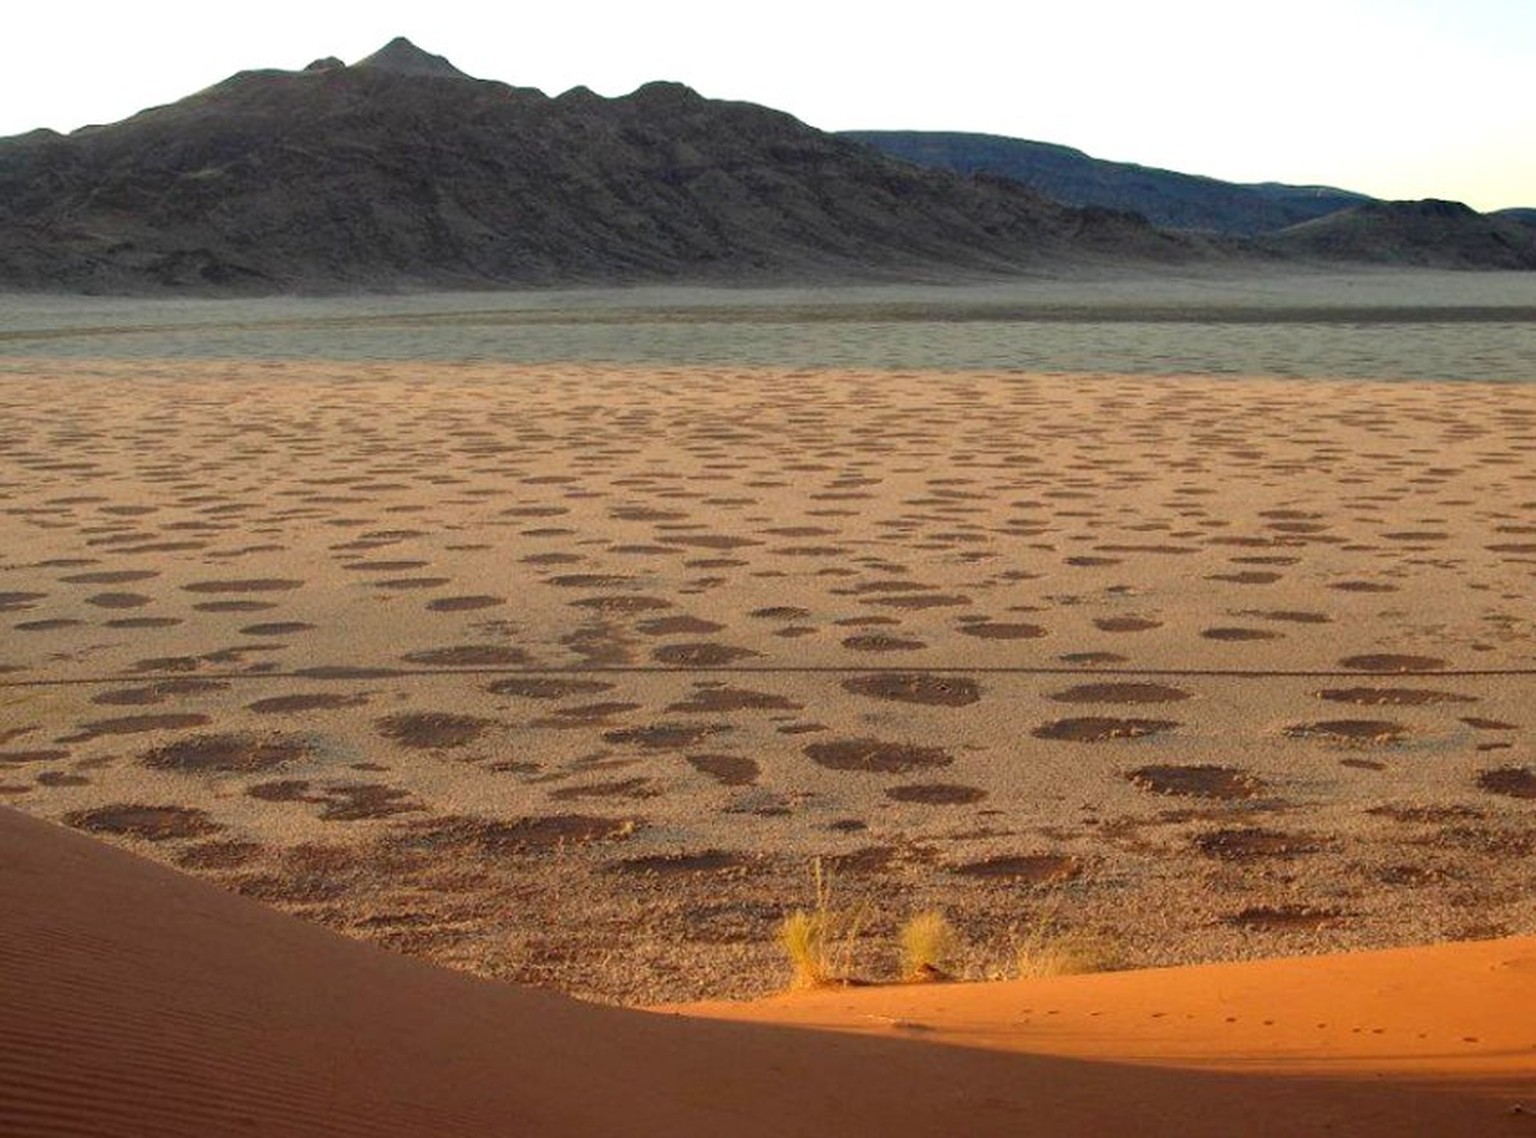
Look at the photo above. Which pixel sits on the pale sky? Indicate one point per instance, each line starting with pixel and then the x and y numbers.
pixel 1395 98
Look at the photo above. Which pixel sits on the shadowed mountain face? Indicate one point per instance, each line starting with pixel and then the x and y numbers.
pixel 1430 233
pixel 400 171
pixel 1164 197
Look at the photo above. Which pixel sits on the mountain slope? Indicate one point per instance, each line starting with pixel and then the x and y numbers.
pixel 1440 234
pixel 1164 197
pixel 400 170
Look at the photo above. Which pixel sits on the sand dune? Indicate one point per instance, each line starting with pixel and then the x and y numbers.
pixel 138 1001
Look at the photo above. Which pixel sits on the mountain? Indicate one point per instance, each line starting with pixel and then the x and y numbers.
pixel 1163 197
pixel 1521 214
pixel 401 171
pixel 1427 233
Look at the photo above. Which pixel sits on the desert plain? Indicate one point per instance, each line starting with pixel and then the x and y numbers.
pixel 553 638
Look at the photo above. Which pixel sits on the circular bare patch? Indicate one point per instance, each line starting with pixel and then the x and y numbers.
pixel 464 604
pixel 1392 697
pixel 546 687
pixel 158 692
pixel 664 736
pixel 876 755
pixel 432 729
pixel 1350 731
pixel 1392 662
pixel 725 699
pixel 1121 693
pixel 623 603
pixel 937 793
pixel 138 724
pixel 305 701
pixel 1098 728
pixel 1252 842
pixel 1284 918
pixel 704 654
pixel 233 753
pixel 728 770
pixel 1126 624
pixel 878 642
pixel 1033 869
pixel 674 864
pixel 262 585
pixel 1239 634
pixel 998 630
pixel 1513 782
pixel 1199 781
pixel 916 687
pixel 469 656
pixel 152 823
pixel 118 600
pixel 681 625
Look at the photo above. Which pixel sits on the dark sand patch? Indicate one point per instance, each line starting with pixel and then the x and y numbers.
pixel 1392 662
pixel 1284 918
pixel 1245 843
pixel 875 755
pixel 916 687
pixel 726 699
pixel 229 753
pixel 1358 731
pixel 1392 697
pixel 727 770
pixel 1512 782
pixel 152 823
pixel 704 654
pixel 546 687
pixel 1031 869
pixel 464 604
pixel 139 724
pixel 676 864
pixel 1197 781
pixel 1121 693
pixel 305 701
pixel 936 793
pixel 665 736
pixel 879 642
pixel 260 585
pixel 1000 630
pixel 432 730
pixel 1098 729
pixel 1126 624
pixel 158 692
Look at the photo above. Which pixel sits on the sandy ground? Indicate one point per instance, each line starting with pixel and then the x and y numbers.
pixel 138 1001
pixel 564 673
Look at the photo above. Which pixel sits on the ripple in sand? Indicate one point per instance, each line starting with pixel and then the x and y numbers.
pixel 1097 729
pixel 875 755
pixel 665 736
pixel 231 753
pixel 916 687
pixel 1392 662
pixel 1197 781
pixel 431 730
pixel 1247 843
pixel 152 823
pixel 305 701
pixel 727 770
pixel 704 654
pixel 464 604
pixel 1121 693
pixel 996 630
pixel 1392 697
pixel 546 687
pixel 1033 869
pixel 1284 918
pixel 936 793
pixel 1350 731
pixel 1512 782
pixel 726 699
pixel 468 656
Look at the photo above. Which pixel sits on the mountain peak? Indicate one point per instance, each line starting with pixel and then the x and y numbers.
pixel 401 57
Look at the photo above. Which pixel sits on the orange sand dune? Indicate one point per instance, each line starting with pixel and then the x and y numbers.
pixel 138 1002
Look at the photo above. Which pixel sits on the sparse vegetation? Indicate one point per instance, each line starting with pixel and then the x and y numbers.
pixel 819 941
pixel 929 946
pixel 1046 949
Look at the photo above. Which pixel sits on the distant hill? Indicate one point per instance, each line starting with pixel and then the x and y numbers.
pixel 1427 233
pixel 402 171
pixel 1519 213
pixel 1164 197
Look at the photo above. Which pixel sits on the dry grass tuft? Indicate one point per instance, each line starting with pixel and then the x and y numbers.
pixel 929 946
pixel 819 941
pixel 1048 950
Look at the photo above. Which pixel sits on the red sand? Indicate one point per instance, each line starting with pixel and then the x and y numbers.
pixel 138 1001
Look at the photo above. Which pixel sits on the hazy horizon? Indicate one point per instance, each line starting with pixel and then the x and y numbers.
pixel 1410 99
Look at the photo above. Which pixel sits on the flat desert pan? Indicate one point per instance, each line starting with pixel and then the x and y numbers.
pixel 564 673
pixel 139 1002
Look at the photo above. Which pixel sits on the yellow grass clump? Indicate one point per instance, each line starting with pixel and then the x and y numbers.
pixel 929 946
pixel 819 941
